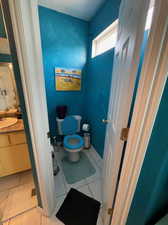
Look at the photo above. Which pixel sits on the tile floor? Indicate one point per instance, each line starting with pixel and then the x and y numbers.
pixel 15 195
pixel 34 217
pixel 90 186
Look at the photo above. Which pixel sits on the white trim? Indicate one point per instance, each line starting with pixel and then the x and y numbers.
pixel 108 32
pixel 149 18
pixel 108 29
pixel 127 52
pixel 153 78
pixel 26 28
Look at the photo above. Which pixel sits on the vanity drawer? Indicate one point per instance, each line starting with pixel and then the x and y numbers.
pixel 14 159
pixel 4 140
pixel 17 138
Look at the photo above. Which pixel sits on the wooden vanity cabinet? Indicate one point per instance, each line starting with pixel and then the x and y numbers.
pixel 14 156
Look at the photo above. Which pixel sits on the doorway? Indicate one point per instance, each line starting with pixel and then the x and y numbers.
pixel 76 101
pixel 72 100
pixel 18 184
pixel 16 179
pixel 33 28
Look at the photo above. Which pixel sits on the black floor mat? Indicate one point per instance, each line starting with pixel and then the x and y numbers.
pixel 78 209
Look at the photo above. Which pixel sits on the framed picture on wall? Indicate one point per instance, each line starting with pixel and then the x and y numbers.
pixel 67 79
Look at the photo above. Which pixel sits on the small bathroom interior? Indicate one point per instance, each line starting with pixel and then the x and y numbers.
pixel 78 80
pixel 17 187
pixel 78 48
pixel 78 40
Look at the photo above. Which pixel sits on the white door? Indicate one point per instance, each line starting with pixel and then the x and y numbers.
pixel 132 18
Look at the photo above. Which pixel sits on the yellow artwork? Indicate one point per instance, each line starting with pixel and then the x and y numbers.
pixel 68 79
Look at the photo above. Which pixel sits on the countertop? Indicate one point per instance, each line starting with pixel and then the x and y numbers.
pixel 14 128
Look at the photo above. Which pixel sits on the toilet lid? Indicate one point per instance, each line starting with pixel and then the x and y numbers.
pixel 69 125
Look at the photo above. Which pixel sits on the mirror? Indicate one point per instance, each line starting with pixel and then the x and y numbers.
pixel 8 92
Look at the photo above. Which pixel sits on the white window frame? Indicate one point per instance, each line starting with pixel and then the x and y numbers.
pixel 102 36
pixel 113 28
pixel 149 18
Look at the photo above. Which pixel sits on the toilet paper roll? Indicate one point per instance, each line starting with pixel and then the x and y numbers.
pixel 85 127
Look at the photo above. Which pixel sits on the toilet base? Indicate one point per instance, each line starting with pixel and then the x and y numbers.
pixel 73 155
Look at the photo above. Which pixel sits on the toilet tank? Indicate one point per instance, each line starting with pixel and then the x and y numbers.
pixel 59 124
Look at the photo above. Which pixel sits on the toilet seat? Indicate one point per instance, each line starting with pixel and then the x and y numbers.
pixel 73 142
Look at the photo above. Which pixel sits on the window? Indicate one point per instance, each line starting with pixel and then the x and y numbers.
pixel 149 18
pixel 105 40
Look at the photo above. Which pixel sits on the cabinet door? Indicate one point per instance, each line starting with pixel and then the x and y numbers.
pixel 14 159
pixel 2 170
pixel 4 140
pixel 17 138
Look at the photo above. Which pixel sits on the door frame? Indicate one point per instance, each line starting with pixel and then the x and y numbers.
pixel 151 86
pixel 141 120
pixel 24 16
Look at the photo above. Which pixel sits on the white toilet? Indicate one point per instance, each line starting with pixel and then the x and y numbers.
pixel 73 143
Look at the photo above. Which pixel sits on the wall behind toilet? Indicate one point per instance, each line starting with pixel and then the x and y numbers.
pixel 61 50
pixel 64 44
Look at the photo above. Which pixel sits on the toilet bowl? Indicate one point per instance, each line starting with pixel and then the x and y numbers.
pixel 72 142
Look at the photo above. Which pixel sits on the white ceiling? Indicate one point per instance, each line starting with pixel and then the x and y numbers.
pixel 82 9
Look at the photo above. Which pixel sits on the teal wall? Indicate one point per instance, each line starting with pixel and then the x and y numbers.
pixel 151 197
pixel 104 17
pixel 97 96
pixel 3 57
pixel 99 76
pixel 64 44
pixel 2 26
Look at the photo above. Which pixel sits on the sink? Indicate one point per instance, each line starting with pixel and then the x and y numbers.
pixel 7 122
